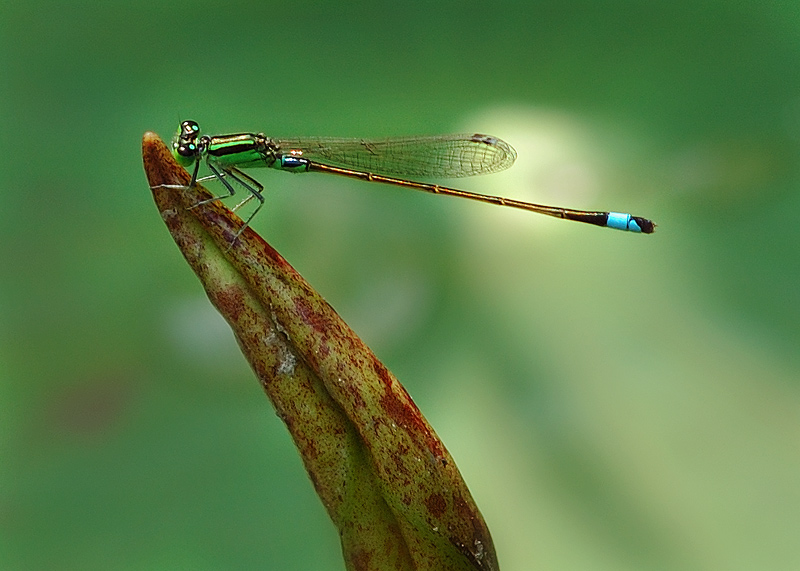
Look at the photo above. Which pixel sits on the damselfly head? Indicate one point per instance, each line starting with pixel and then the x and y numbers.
pixel 184 146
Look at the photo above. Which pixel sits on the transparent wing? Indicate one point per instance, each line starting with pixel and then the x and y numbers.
pixel 445 156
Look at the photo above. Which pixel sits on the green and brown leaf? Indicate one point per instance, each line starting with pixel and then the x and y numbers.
pixel 386 480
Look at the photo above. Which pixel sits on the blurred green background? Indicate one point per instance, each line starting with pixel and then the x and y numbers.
pixel 613 401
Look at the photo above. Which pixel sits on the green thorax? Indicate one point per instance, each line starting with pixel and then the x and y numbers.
pixel 244 150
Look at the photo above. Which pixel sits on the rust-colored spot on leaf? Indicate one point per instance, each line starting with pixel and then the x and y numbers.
pixel 436 505
pixel 361 560
pixel 229 303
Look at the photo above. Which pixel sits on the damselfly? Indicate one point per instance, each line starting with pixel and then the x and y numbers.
pixel 374 160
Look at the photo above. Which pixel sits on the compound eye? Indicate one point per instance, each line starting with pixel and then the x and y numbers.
pixel 187 150
pixel 189 128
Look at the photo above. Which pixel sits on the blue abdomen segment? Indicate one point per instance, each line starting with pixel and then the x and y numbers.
pixel 624 221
